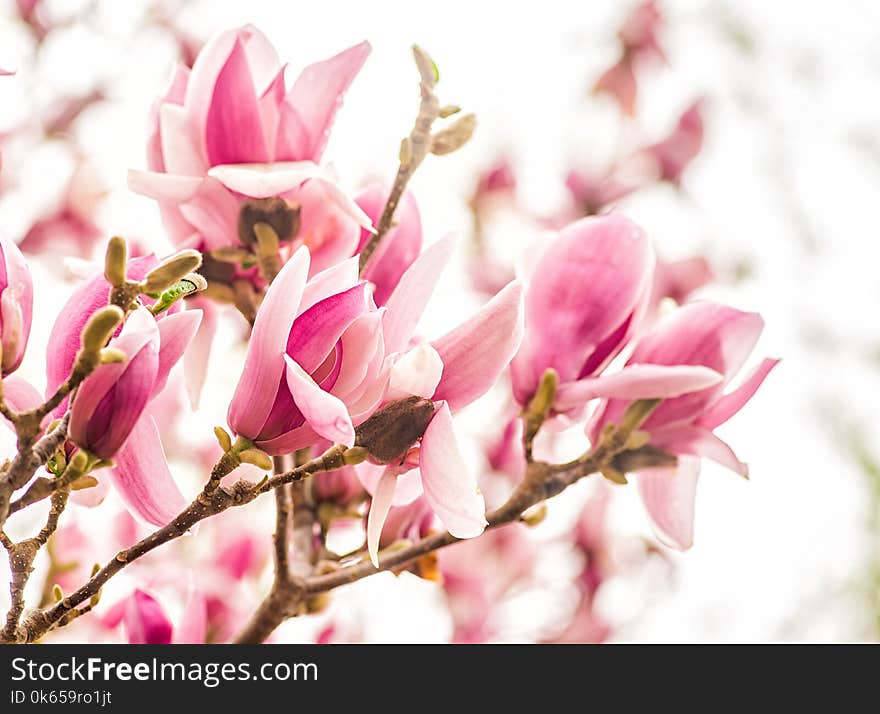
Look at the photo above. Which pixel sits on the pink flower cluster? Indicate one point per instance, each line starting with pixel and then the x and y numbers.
pixel 330 346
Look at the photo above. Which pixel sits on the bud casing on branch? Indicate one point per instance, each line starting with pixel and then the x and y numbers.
pixel 391 431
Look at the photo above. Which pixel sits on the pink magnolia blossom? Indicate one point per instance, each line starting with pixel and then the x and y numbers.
pixel 453 370
pixel 230 130
pixel 109 418
pixel 16 305
pixel 314 360
pixel 588 294
pixel 713 336
pixel 322 358
pixel 675 153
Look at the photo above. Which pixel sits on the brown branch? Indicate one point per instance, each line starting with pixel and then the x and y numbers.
pixel 413 151
pixel 285 597
pixel 21 562
pixel 204 506
pixel 29 458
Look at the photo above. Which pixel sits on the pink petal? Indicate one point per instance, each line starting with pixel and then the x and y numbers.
pixel 337 278
pixel 410 297
pixel 669 496
pixel 475 353
pixel 193 626
pixel 264 180
pixel 325 413
pixel 416 372
pixel 270 109
pixel 409 481
pixel 16 304
pixel 362 339
pixel 379 507
pixel 317 95
pixel 328 229
pixel 638 381
pixel 233 127
pixel 344 202
pixel 110 401
pixel 145 621
pixel 142 479
pixel 175 333
pixel 696 441
pixel 19 394
pixel 583 299
pixel 197 357
pixel 450 486
pixel 699 333
pixel 316 331
pixel 162 186
pixel 730 404
pixel 64 340
pixel 213 211
pixel 263 367
pixel 180 155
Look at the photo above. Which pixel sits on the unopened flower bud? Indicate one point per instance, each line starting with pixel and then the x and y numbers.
pixel 277 213
pixel 223 438
pixel 79 462
pixel 256 457
pixel 171 270
pixel 115 261
pixel 84 482
pixel 454 136
pixel 100 327
pixel 428 70
pixel 448 111
pixel 391 431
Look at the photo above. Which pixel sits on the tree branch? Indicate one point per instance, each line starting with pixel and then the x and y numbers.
pixel 413 151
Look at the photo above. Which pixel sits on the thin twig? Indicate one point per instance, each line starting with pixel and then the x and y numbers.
pixel 418 146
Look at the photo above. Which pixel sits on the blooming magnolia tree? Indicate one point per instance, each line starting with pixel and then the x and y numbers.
pixel 344 412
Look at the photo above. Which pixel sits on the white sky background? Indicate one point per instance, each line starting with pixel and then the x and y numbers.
pixel 788 184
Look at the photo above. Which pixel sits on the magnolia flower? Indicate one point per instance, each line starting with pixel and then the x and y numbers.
pixel 109 417
pixel 588 294
pixel 314 360
pixel 713 336
pixel 230 130
pixel 111 400
pixel 16 305
pixel 322 358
